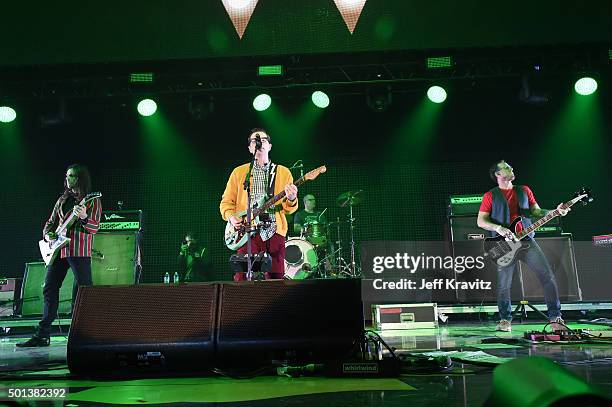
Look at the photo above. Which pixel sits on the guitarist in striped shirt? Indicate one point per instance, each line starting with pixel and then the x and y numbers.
pixel 76 254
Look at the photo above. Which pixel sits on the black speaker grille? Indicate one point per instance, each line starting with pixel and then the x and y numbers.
pixel 144 314
pixel 289 314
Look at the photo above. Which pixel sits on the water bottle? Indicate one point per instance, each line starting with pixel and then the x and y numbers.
pixel 176 277
pixel 167 278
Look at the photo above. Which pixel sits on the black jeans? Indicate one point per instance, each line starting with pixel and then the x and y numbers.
pixel 56 273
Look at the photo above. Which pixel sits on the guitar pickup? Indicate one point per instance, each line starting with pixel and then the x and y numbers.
pixel 475 236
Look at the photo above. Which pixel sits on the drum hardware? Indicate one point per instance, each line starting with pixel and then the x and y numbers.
pixel 349 199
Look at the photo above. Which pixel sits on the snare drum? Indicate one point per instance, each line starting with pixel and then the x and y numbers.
pixel 316 232
pixel 300 259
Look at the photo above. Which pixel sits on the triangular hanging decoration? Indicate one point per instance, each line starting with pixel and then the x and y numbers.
pixel 350 10
pixel 240 12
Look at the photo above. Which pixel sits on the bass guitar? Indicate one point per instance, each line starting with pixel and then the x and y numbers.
pixel 50 249
pixel 503 251
pixel 237 237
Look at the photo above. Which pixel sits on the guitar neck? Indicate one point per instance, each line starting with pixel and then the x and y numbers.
pixel 268 204
pixel 545 219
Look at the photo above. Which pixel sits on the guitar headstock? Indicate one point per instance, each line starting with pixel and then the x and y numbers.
pixel 312 175
pixel 91 196
pixel 585 194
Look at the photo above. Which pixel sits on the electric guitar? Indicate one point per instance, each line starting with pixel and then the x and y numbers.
pixel 503 252
pixel 237 237
pixel 50 250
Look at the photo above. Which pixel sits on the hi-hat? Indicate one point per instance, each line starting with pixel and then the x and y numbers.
pixel 350 198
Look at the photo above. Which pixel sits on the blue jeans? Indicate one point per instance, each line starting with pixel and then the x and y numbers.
pixel 536 259
pixel 56 273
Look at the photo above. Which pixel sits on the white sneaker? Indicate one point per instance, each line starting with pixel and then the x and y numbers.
pixel 504 326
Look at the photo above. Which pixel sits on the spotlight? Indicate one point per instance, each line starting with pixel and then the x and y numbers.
pixel 147 107
pixel 262 102
pixel 436 94
pixel 320 99
pixel 585 86
pixel 7 114
pixel 379 99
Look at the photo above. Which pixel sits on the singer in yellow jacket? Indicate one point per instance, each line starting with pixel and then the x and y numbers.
pixel 234 201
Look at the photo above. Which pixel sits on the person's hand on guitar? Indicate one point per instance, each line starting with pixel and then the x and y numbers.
pixel 506 233
pixel 80 211
pixel 50 236
pixel 236 222
pixel 562 210
pixel 291 192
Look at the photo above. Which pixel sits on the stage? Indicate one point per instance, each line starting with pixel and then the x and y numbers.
pixel 466 382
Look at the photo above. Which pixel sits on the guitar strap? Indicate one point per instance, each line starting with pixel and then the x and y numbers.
pixel 271 179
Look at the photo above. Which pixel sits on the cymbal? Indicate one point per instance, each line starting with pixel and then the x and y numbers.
pixel 350 198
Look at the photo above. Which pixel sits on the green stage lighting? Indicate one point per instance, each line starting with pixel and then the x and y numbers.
pixel 585 86
pixel 320 99
pixel 436 94
pixel 7 114
pixel 147 107
pixel 262 102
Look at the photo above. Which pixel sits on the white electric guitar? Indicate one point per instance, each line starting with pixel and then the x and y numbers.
pixel 50 250
pixel 235 238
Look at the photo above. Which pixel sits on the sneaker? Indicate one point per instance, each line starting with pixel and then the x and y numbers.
pixel 504 326
pixel 558 324
pixel 34 341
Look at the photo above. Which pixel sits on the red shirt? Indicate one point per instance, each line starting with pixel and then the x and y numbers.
pixel 512 199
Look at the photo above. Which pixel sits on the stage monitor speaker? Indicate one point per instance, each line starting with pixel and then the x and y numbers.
pixel 32 290
pixel 288 320
pixel 559 251
pixel 146 328
pixel 488 274
pixel 114 258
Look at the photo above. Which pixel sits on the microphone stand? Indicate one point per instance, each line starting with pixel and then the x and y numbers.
pixel 247 227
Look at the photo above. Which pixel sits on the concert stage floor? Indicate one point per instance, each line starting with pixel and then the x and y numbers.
pixel 466 384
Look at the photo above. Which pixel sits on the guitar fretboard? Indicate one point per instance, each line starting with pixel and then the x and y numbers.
pixel 547 218
pixel 275 199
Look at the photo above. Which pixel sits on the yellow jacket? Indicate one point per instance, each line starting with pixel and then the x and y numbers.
pixel 234 197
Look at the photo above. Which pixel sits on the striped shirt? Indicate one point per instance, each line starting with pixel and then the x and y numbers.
pixel 80 232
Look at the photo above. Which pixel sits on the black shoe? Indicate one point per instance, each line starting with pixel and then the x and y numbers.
pixel 34 341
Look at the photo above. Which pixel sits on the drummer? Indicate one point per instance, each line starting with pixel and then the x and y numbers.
pixel 308 215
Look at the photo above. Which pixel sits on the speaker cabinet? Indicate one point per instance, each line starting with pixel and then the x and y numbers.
pixel 32 290
pixel 143 327
pixel 559 251
pixel 464 228
pixel 115 258
pixel 306 320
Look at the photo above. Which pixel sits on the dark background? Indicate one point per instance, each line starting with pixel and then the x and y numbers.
pixel 408 159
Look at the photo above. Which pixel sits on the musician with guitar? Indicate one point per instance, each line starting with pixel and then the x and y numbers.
pixel 266 179
pixel 513 206
pixel 67 243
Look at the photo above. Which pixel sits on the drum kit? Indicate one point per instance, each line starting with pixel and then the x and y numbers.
pixel 314 254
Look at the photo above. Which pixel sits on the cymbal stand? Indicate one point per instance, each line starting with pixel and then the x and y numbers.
pixel 352 228
pixel 341 264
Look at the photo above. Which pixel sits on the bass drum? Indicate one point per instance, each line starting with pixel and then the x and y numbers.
pixel 301 259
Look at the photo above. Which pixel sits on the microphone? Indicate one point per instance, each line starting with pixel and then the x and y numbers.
pixel 257 142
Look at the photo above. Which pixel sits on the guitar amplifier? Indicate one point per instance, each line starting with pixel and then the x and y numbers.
pixel 460 205
pixel 121 220
pixel 8 289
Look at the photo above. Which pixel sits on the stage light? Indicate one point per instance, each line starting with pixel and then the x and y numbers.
pixel 379 98
pixel 7 114
pixel 141 77
pixel 270 70
pixel 436 94
pixel 585 86
pixel 439 62
pixel 262 102
pixel 239 4
pixel 320 99
pixel 147 107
